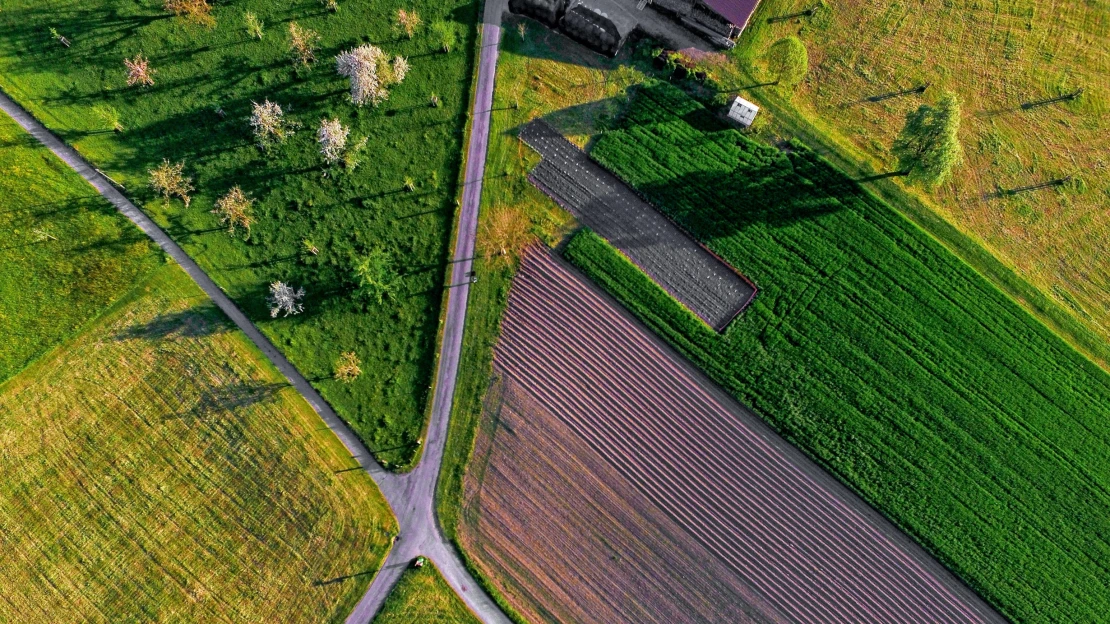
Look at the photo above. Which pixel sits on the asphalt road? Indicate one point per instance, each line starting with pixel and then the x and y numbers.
pixel 412 495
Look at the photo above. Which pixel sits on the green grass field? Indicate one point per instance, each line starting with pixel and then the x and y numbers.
pixel 156 468
pixel 423 596
pixel 66 255
pixel 997 57
pixel 345 215
pixel 882 355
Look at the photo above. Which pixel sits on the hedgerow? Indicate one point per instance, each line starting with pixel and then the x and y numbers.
pixel 883 356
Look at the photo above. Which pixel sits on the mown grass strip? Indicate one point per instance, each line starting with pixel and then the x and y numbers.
pixel 423 596
pixel 66 255
pixel 886 358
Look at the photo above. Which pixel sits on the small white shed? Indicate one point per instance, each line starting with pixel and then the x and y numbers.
pixel 742 111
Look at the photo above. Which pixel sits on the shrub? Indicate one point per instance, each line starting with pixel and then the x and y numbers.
pixel 268 124
pixel 303 43
pixel 332 138
pixel 196 11
pixel 139 71
pixel 283 299
pixel 234 210
pixel 347 367
pixel 169 180
pixel 376 276
pixel 407 21
pixel 253 24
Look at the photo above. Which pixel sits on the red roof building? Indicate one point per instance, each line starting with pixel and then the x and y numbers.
pixel 735 11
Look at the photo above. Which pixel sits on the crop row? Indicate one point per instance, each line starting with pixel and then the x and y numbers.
pixel 885 357
pixel 800 541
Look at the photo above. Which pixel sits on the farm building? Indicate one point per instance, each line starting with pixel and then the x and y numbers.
pixel 604 25
pixel 718 21
pixel 742 111
pixel 545 11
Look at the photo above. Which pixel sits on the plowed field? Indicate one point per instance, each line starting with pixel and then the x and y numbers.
pixel 612 482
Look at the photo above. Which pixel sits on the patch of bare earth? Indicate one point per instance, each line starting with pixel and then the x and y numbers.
pixel 612 483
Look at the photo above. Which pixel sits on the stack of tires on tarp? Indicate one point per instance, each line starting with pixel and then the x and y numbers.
pixel 601 25
pixel 545 11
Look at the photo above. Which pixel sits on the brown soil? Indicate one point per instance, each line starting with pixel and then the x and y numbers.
pixel 613 483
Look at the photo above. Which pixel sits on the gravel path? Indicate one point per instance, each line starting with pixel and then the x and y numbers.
pixel 411 495
pixel 705 284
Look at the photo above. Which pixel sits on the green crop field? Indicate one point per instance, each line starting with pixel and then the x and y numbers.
pixel 66 253
pixel 399 202
pixel 423 596
pixel 156 468
pixel 882 355
pixel 1001 58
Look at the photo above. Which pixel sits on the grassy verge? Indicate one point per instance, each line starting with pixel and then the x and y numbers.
pixel 67 253
pixel 157 468
pixel 399 202
pixel 423 596
pixel 887 359
pixel 1038 248
pixel 538 74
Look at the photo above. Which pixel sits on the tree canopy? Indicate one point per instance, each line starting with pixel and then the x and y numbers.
pixel 376 275
pixel 928 147
pixel 788 61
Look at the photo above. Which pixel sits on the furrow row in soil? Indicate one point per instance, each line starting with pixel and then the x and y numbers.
pixel 805 550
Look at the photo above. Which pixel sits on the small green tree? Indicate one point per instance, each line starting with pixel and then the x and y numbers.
pixel 254 25
pixel 303 43
pixel 788 61
pixel 376 276
pixel 928 147
pixel 445 34
pixel 108 116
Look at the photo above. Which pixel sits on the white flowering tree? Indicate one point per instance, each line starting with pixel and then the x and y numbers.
pixel 332 137
pixel 284 299
pixel 371 73
pixel 269 124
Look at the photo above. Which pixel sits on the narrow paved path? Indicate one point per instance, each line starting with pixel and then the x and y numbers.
pixel 412 495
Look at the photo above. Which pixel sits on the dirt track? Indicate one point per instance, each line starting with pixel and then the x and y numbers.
pixel 795 545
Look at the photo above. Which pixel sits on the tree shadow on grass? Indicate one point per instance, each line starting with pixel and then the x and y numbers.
pixel 50 208
pixel 196 322
pixel 81 27
pixel 231 397
pixel 340 579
